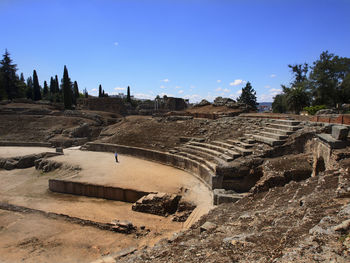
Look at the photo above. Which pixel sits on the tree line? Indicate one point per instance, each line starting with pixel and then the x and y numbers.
pixel 14 86
pixel 325 84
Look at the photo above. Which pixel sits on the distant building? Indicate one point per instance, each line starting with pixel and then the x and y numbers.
pixel 265 107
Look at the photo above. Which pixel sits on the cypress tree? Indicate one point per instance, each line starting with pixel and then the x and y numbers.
pixel 86 94
pixel 128 97
pixel 22 77
pixel 36 87
pixel 100 91
pixel 67 89
pixel 8 76
pixel 29 91
pixel 75 92
pixel 45 90
pixel 52 86
pixel 57 87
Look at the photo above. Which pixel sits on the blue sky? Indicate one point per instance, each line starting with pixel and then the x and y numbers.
pixel 185 48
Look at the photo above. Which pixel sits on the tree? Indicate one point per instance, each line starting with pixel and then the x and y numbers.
pixel 52 88
pixel 21 86
pixel 45 90
pixel 100 91
pixel 57 88
pixel 248 96
pixel 86 94
pixel 327 76
pixel 36 87
pixel 297 98
pixel 67 89
pixel 75 93
pixel 29 90
pixel 128 97
pixel 279 104
pixel 8 77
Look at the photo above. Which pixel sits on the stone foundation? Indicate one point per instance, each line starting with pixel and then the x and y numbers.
pixel 93 190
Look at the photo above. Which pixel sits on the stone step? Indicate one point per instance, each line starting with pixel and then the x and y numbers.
pixel 278 131
pixel 285 122
pixel 216 148
pixel 283 127
pixel 242 151
pixel 242 144
pixel 267 140
pixel 237 147
pixel 274 135
pixel 210 152
pixel 199 159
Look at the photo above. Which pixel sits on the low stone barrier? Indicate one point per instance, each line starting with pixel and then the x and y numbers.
pixel 94 190
pixel 25 144
pixel 195 168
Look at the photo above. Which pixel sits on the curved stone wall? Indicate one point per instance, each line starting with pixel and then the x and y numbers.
pixel 195 168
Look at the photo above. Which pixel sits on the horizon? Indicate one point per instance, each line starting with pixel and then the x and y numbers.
pixel 190 49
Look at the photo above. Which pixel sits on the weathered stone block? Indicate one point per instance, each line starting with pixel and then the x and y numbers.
pixel 340 132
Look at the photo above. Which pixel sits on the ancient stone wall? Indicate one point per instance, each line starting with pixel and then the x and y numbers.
pixel 115 105
pixel 93 190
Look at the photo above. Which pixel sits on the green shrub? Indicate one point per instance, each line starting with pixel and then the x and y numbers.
pixel 313 109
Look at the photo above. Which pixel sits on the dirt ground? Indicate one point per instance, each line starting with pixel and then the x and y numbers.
pixel 133 173
pixel 22 238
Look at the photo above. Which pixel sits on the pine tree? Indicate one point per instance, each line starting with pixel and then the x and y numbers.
pixel 45 90
pixel 36 87
pixel 100 91
pixel 67 89
pixel 75 93
pixel 128 97
pixel 248 96
pixel 29 91
pixel 8 76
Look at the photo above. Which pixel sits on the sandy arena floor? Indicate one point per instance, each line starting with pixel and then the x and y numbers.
pixel 35 238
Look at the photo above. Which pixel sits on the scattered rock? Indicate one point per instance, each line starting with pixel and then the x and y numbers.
pixel 161 204
pixel 207 226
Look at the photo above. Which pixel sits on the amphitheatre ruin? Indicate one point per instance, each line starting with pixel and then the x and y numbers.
pixel 211 183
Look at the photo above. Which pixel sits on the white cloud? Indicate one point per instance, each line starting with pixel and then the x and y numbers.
pixel 165 80
pixel 143 96
pixel 269 97
pixel 236 82
pixel 267 87
pixel 181 91
pixel 119 88
pixel 275 91
pixel 162 87
pixel 218 89
pixel 218 81
pixel 116 43
pixel 273 76
pixel 239 92
pixel 93 90
pixel 226 90
pixel 192 87
pixel 178 87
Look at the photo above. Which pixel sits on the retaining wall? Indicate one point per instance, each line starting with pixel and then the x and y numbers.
pixel 25 144
pixel 195 168
pixel 93 190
